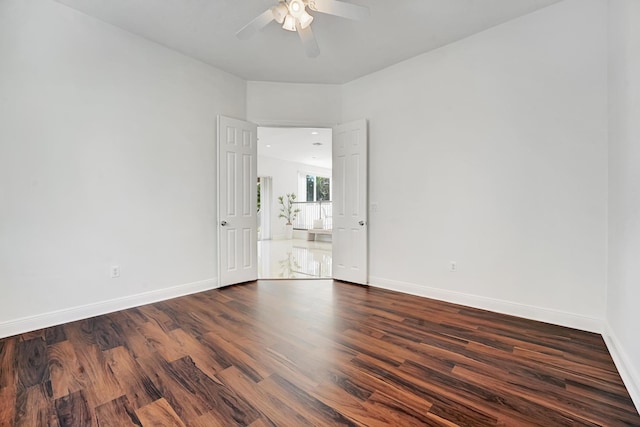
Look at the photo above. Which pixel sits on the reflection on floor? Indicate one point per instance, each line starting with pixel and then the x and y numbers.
pixel 289 259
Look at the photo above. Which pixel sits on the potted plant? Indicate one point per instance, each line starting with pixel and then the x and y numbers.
pixel 289 267
pixel 288 212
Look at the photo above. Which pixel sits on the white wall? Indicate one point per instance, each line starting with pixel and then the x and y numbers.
pixel 623 316
pixel 107 157
pixel 285 180
pixel 491 152
pixel 293 104
pixel 290 104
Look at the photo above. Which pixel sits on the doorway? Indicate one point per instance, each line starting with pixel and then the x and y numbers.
pixel 295 161
pixel 237 152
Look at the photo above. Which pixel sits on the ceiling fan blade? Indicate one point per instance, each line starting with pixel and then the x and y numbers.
pixel 256 25
pixel 308 41
pixel 339 8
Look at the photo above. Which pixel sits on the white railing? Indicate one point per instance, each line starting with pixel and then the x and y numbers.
pixel 311 211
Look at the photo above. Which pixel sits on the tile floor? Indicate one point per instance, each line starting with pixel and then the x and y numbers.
pixel 294 259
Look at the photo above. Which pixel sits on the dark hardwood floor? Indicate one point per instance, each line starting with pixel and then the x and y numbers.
pixel 309 353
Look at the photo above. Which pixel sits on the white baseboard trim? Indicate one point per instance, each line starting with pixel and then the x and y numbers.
pixel 555 317
pixel 629 374
pixel 32 323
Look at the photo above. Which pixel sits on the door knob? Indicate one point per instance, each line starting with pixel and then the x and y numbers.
pixel 361 223
pixel 223 223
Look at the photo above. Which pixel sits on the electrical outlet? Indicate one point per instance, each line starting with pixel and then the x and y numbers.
pixel 115 271
pixel 453 266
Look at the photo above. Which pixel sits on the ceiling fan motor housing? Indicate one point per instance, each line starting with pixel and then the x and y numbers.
pixel 293 16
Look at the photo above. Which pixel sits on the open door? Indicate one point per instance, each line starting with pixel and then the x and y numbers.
pixel 350 237
pixel 237 201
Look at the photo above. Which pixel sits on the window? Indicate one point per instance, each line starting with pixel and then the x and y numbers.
pixel 317 188
pixel 323 188
pixel 258 194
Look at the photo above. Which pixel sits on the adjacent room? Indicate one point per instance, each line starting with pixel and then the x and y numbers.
pixel 294 203
pixel 460 179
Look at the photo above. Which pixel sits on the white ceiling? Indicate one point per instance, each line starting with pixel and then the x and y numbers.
pixel 296 145
pixel 395 31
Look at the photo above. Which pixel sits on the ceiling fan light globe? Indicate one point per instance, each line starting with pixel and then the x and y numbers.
pixel 289 23
pixel 296 8
pixel 279 12
pixel 305 20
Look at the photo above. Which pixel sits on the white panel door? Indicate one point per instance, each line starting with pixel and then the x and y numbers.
pixel 350 242
pixel 237 201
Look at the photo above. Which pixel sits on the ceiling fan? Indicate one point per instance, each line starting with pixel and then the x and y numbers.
pixel 293 16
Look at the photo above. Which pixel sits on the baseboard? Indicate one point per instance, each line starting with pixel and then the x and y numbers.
pixel 32 323
pixel 630 376
pixel 556 317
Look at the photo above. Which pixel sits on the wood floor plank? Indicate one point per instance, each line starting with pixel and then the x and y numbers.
pixel 67 376
pixel 303 370
pixel 269 406
pixel 301 353
pixel 260 423
pixel 616 399
pixel 135 342
pixel 108 334
pixel 406 413
pixel 383 393
pixel 229 407
pixel 568 367
pixel 199 353
pixel 357 410
pixel 155 314
pixel 234 356
pixel 187 406
pixel 73 410
pixel 134 382
pixel 8 380
pixel 34 407
pixel 99 383
pixel 196 322
pixel 370 346
pixel 169 348
pixel 7 406
pixel 451 406
pixel 159 414
pixel 565 416
pixel 8 362
pixel 55 334
pixel 210 419
pixel 516 410
pixel 308 406
pixel 27 336
pixel 117 413
pixel 33 368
